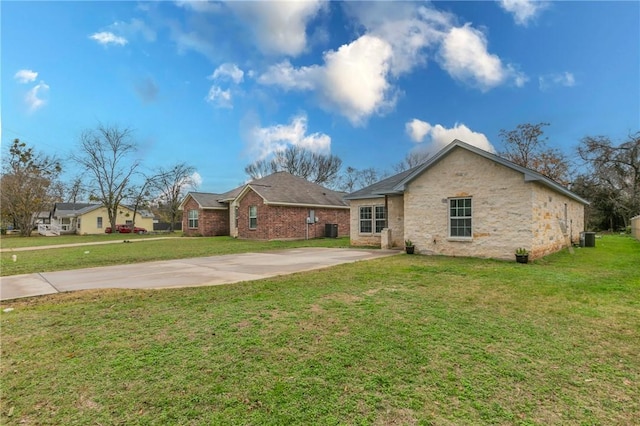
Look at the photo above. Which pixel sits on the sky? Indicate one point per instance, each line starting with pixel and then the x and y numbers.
pixel 219 85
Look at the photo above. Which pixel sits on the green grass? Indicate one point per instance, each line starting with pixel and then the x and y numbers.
pixel 145 251
pixel 15 241
pixel 401 340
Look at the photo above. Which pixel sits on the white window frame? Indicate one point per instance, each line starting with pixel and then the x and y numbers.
pixel 253 217
pixel 458 213
pixel 193 219
pixel 99 222
pixel 376 220
pixel 379 221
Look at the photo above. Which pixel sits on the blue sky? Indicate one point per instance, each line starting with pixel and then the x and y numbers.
pixel 220 85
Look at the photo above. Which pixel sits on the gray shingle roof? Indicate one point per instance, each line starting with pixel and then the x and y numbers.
pixel 208 200
pixel 397 184
pixel 285 188
pixel 76 209
pixel 277 188
pixel 381 188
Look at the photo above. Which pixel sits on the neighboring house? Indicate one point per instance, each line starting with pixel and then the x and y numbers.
pixel 465 201
pixel 277 207
pixel 85 218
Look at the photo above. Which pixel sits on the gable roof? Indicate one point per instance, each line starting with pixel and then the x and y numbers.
pixel 398 183
pixel 283 188
pixel 70 209
pixel 206 200
pixel 280 188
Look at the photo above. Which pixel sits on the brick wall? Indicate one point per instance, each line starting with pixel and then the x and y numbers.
pixel 276 222
pixel 210 222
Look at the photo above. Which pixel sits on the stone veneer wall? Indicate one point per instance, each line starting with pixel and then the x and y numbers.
pixel 211 222
pixel 276 222
pixel 501 207
pixel 553 231
pixel 507 211
pixel 395 221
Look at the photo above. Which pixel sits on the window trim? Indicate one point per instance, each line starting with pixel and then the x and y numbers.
pixel 450 218
pixel 254 217
pixel 99 222
pixel 191 220
pixel 372 220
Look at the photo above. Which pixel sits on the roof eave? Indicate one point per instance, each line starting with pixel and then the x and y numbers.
pixel 317 206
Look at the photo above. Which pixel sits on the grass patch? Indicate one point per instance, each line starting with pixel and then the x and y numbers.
pixel 400 340
pixel 36 240
pixel 145 251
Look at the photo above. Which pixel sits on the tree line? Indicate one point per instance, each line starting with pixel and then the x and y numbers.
pixel 606 174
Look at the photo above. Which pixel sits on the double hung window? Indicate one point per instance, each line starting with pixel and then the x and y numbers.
pixel 193 218
pixel 460 218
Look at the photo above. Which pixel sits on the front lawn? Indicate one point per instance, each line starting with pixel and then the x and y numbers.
pixel 402 340
pixel 134 251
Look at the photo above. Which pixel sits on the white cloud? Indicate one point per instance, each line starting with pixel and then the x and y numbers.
pixel 464 55
pixel 352 79
pixel 105 38
pixel 228 71
pixel 36 97
pixel 220 98
pixel 26 76
pixel 196 180
pixel 265 141
pixel 548 81
pixel 438 136
pixel 287 77
pixel 523 11
pixel 355 78
pixel 279 27
pixel 408 29
pixel 417 129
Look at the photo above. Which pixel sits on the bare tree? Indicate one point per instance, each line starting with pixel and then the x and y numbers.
pixel 319 168
pixel 261 168
pixel 171 186
pixel 526 146
pixel 106 154
pixel 75 190
pixel 411 160
pixel 28 185
pixel 354 179
pixel 613 179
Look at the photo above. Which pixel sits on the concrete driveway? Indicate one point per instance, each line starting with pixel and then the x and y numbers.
pixel 194 272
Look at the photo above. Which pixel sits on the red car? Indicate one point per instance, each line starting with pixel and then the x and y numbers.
pixel 126 229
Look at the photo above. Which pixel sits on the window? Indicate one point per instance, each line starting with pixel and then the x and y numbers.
pixel 381 219
pixel 365 220
pixel 99 222
pixel 460 218
pixel 193 218
pixel 373 219
pixel 253 217
pixel 235 213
